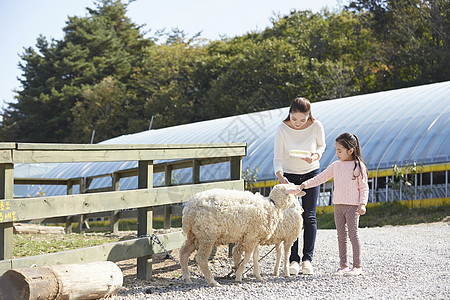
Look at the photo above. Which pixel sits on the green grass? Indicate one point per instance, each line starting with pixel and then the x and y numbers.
pixel 391 213
pixel 37 244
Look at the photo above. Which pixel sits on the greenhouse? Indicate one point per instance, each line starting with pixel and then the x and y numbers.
pixel 405 128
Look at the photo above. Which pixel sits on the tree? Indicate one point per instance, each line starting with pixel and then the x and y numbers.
pixel 415 38
pixel 167 84
pixel 99 111
pixel 104 44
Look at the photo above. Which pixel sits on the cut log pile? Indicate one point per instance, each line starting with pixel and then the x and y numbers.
pixel 22 228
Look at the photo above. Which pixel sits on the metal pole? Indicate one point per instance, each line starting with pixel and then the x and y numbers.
pixel 92 137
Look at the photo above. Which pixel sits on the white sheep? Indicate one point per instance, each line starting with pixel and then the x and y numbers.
pixel 219 217
pixel 287 231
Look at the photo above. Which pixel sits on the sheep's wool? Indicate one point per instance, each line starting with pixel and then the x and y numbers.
pixel 229 216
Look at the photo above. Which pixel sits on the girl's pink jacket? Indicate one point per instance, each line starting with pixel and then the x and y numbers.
pixel 346 189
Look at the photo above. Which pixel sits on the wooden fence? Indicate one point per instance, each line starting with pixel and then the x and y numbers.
pixel 143 199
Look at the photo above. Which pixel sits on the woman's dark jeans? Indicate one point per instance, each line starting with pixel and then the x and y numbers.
pixel 309 203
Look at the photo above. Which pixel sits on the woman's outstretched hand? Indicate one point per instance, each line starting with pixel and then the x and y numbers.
pixel 311 158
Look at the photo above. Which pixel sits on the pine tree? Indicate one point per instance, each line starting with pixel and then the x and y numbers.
pixel 58 76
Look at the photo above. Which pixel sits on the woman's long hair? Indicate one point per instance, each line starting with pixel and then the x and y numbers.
pixel 302 105
pixel 350 141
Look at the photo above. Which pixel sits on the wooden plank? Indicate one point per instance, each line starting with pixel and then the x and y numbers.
pixel 39 156
pixel 55 206
pixel 7 145
pixel 112 252
pixel 6 156
pixel 42 181
pixel 72 147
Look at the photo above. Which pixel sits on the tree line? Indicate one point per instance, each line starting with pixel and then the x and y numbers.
pixel 105 75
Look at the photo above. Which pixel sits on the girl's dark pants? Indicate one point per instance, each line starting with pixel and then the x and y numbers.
pixel 309 202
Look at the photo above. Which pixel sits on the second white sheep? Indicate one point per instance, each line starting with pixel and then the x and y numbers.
pixel 288 230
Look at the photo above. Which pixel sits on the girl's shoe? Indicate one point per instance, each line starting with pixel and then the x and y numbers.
pixel 342 271
pixel 354 272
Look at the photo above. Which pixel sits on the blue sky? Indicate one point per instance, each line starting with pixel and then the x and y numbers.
pixel 22 21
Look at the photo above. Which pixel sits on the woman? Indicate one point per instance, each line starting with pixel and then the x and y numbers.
pixel 298 146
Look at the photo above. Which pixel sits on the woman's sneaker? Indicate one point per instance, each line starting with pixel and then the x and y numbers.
pixel 342 271
pixel 294 268
pixel 354 272
pixel 307 268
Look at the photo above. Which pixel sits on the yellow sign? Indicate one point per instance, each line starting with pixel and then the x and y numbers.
pixel 6 214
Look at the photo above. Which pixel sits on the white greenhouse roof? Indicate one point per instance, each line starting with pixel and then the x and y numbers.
pixel 394 127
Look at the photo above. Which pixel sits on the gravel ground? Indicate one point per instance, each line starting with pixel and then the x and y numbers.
pixel 401 262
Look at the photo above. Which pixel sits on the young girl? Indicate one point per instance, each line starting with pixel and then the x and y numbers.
pixel 350 196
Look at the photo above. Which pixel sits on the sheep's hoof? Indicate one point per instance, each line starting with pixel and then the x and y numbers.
pixel 188 281
pixel 214 283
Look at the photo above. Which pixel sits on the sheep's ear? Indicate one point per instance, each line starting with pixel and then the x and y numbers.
pixel 301 194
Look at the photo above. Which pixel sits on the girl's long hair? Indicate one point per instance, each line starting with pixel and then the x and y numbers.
pixel 349 141
pixel 302 105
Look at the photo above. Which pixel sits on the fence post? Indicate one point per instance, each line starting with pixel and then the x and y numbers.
pixel 68 227
pixel 145 218
pixel 84 186
pixel 114 218
pixel 167 182
pixel 6 192
pixel 235 174
pixel 195 171
pixel 235 168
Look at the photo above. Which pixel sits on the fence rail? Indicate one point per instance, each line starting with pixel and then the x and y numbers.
pixel 143 199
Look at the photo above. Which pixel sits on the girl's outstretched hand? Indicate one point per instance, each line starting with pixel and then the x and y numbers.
pixel 361 209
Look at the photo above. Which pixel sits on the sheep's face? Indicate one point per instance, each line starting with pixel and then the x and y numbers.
pixel 283 195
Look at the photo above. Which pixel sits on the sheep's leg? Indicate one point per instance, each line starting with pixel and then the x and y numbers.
pixel 256 271
pixel 238 249
pixel 240 269
pixel 278 261
pixel 203 252
pixel 237 254
pixel 287 248
pixel 185 252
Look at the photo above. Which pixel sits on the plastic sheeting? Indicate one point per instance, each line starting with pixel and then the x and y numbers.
pixel 394 127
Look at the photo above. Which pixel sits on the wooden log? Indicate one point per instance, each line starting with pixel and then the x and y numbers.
pixel 20 228
pixel 76 281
